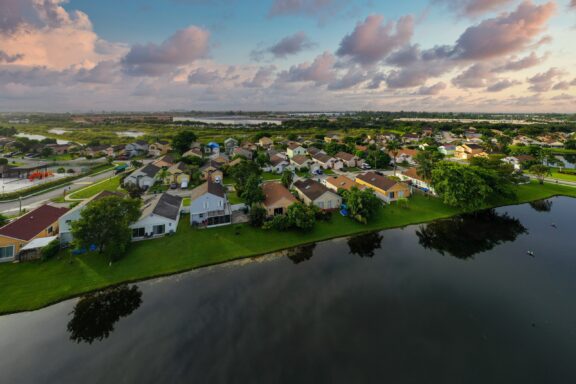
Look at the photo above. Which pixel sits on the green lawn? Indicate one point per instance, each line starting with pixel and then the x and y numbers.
pixel 233 198
pixel 563 176
pixel 267 176
pixel 186 202
pixel 111 184
pixel 33 285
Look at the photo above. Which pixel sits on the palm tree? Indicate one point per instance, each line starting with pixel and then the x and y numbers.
pixel 393 146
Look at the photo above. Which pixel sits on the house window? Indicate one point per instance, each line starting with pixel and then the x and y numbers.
pixel 400 194
pixel 138 232
pixel 329 206
pixel 391 195
pixel 159 229
pixel 50 230
pixel 320 204
pixel 278 211
pixel 7 252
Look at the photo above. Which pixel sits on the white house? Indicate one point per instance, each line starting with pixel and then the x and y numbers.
pixel 136 148
pixel 312 192
pixel 160 216
pixel 299 162
pixel 349 159
pixel 414 179
pixel 209 206
pixel 229 145
pixel 327 162
pixel 277 164
pixel 447 150
pixel 295 149
pixel 66 220
pixel 144 177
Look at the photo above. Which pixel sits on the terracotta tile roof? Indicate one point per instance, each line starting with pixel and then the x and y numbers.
pixel 300 160
pixel 31 224
pixel 413 173
pixel 345 156
pixel 343 182
pixel 275 192
pixel 408 152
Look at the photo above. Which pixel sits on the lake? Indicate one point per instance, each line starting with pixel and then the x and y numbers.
pixel 454 301
pixel 226 120
pixel 40 138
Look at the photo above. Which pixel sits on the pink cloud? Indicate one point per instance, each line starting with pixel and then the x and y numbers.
pixel 182 48
pixel 433 89
pixel 320 71
pixel 371 40
pixel 543 82
pixel 523 63
pixel 313 8
pixel 472 8
pixel 502 85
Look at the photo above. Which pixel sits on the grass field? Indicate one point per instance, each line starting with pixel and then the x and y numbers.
pixel 111 184
pixel 29 286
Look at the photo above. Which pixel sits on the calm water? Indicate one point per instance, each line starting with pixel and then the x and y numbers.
pixel 456 301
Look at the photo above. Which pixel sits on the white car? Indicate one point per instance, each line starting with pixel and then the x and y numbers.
pixel 365 166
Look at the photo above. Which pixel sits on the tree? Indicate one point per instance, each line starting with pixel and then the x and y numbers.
pixel 3 220
pixel 362 204
pixel 570 144
pixel 46 152
pixel 540 171
pixel 301 217
pixel 427 160
pixel 242 172
pixel 182 141
pixel 378 159
pixel 262 159
pixel 287 178
pixel 105 223
pixel 459 185
pixel 393 147
pixel 134 191
pixel 257 215
pixel 51 250
pixel 3 161
pixel 252 191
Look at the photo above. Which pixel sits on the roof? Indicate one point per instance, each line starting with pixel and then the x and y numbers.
pixel 300 159
pixel 342 182
pixel 32 223
pixel 314 150
pixel 180 166
pixel 38 243
pixel 149 170
pixel 472 146
pixel 413 174
pixel 523 158
pixel 407 152
pixel 165 205
pixel 322 157
pixel 208 187
pixel 166 159
pixel 211 163
pixel 345 156
pixel 275 192
pixel 378 181
pixel 311 188
pixel 294 145
pixel 265 140
pixel 276 160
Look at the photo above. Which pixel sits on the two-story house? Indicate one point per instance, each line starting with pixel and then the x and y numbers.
pixel 295 149
pixel 209 205
pixel 144 177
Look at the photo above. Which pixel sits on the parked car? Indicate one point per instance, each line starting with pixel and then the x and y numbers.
pixel 365 166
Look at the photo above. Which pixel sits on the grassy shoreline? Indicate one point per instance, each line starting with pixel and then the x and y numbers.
pixel 30 286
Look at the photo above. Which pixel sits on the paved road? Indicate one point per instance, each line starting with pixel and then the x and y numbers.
pixel 35 201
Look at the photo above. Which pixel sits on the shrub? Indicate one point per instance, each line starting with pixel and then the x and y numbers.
pixel 51 249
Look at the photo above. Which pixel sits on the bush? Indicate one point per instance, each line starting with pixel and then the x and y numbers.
pixel 70 170
pixel 278 223
pixel 257 215
pixel 61 170
pixel 51 249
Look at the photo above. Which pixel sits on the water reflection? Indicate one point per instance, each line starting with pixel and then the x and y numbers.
pixel 94 315
pixel 365 245
pixel 542 205
pixel 301 254
pixel 466 235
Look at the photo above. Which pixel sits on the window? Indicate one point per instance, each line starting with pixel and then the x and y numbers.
pixel 7 252
pixel 159 229
pixel 391 195
pixel 138 232
pixel 50 230
pixel 400 194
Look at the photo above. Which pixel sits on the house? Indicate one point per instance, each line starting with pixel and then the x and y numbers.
pixel 337 183
pixel 209 205
pixel 39 223
pixel 66 220
pixel 229 145
pixel 212 149
pixel 349 159
pixel 295 149
pixel 410 137
pixel 242 153
pixel 159 148
pixel 332 139
pixel 325 161
pixel 160 216
pixel 59 149
pixel 212 171
pixel 468 151
pixel 314 193
pixel 300 162
pixel 277 199
pixel 385 188
pixel 447 150
pixel 165 161
pixel 137 148
pixel 405 155
pixel 144 177
pixel 413 178
pixel 194 152
pixel 518 161
pixel 250 147
pixel 95 151
pixel 315 151
pixel 179 173
pixel 277 164
pixel 265 142
pixel 115 150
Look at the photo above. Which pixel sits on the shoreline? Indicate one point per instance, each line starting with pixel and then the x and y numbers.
pixel 94 274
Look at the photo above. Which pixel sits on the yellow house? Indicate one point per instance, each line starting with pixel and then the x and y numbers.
pixel 386 189
pixel 159 148
pixel 468 151
pixel 178 173
pixel 41 222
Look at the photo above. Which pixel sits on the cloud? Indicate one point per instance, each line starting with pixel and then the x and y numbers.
pixel 433 89
pixel 543 82
pixel 289 45
pixel 320 71
pixel 310 8
pixel 371 40
pixel 523 63
pixel 183 47
pixel 476 76
pixel 572 4
pixel 472 8
pixel 351 78
pixel 561 86
pixel 203 76
pixel 105 72
pixel 6 58
pixel 506 33
pixel 502 85
pixel 261 78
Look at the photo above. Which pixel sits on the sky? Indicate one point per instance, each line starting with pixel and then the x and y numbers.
pixel 288 55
